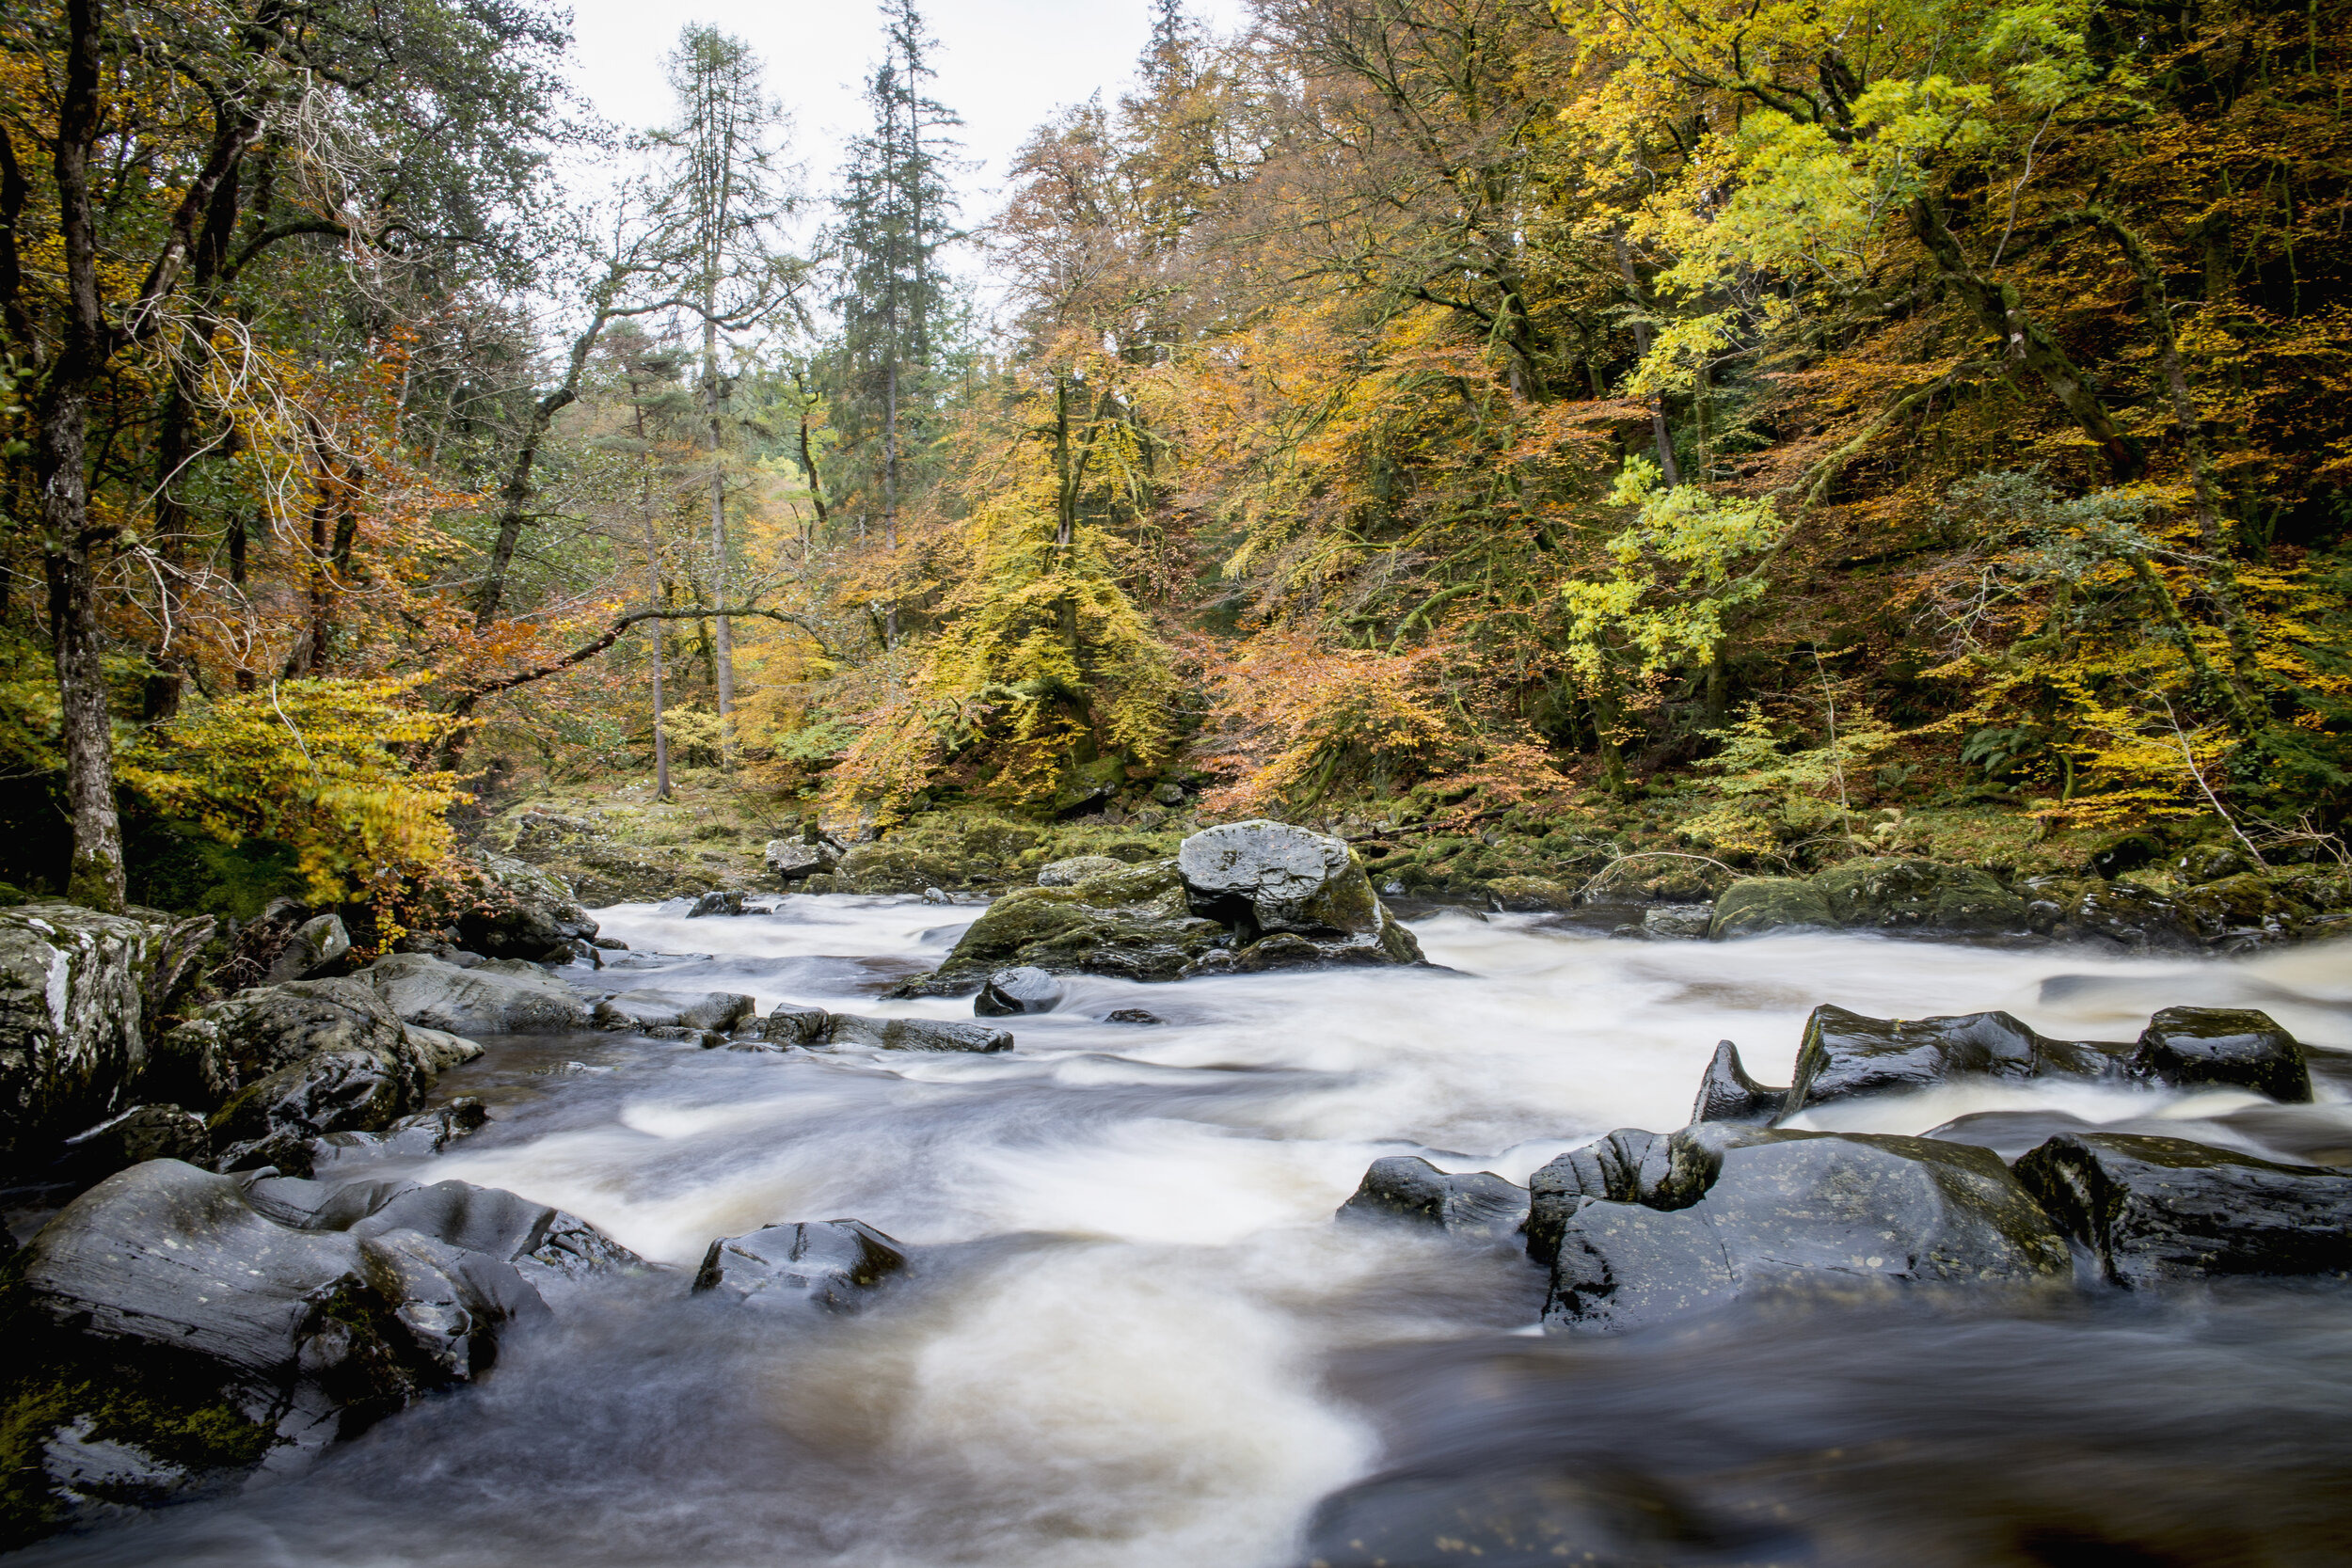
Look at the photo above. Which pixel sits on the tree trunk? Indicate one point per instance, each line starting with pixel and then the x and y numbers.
pixel 1668 468
pixel 723 650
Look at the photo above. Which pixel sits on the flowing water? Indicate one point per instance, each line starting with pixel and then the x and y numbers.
pixel 1132 1336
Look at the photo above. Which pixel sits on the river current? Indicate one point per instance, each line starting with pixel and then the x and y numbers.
pixel 1134 1339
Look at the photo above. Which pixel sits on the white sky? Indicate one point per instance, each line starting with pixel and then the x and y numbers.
pixel 1004 65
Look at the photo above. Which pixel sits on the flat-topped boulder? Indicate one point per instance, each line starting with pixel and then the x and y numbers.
pixel 651 1009
pixel 501 997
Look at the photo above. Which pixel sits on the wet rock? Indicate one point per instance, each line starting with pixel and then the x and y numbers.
pixel 2156 1209
pixel 1628 1165
pixel 2234 1048
pixel 521 913
pixel 1076 869
pixel 1727 1093
pixel 259 1030
pixel 438 1048
pixel 796 1023
pixel 495 998
pixel 1131 1015
pixel 301 1330
pixel 830 1263
pixel 1678 922
pixel 790 860
pixel 2126 914
pixel 1262 875
pixel 1406 1187
pixel 715 1010
pixel 341 1090
pixel 717 901
pixel 81 999
pixel 130 1137
pixel 1012 991
pixel 914 1033
pixel 1769 1210
pixel 1845 1055
pixel 411 1137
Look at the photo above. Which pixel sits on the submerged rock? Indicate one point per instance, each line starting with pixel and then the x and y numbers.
pixel 832 1264
pixel 914 1033
pixel 1406 1187
pixel 1131 1015
pixel 718 902
pixel 496 998
pixel 1013 992
pixel 650 1009
pixel 2156 1209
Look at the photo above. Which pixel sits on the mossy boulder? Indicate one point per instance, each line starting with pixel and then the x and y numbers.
pixel 889 866
pixel 1754 905
pixel 1131 923
pixel 1878 893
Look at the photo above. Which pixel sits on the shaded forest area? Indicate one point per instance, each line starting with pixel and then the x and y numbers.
pixel 1770 431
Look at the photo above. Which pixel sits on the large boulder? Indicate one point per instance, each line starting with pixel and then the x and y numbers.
pixel 501 997
pixel 1131 923
pixel 790 860
pixel 832 1264
pixel 345 1088
pixel 234 1332
pixel 666 1010
pixel 2091 909
pixel 2157 1208
pixel 263 1028
pixel 1011 992
pixel 1745 1210
pixel 1877 894
pixel 81 999
pixel 1243 899
pixel 522 913
pixel 1405 1187
pixel 1845 1055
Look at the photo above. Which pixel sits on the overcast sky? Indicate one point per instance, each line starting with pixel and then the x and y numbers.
pixel 1004 65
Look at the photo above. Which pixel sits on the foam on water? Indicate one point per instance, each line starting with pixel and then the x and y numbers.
pixel 1117 1345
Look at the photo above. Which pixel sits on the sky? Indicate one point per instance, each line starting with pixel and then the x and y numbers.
pixel 1004 65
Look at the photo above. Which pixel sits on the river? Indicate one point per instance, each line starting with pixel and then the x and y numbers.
pixel 1134 1339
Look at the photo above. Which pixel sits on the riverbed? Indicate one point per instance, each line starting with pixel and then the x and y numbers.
pixel 1133 1336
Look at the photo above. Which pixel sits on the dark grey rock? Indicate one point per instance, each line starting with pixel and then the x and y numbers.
pixel 717 901
pixel 454 1302
pixel 1011 992
pixel 1845 1055
pixel 1781 1209
pixel 1628 1165
pixel 832 1264
pixel 523 914
pixel 343 1089
pixel 1678 922
pixel 412 1137
pixel 796 1023
pixel 2156 1209
pixel 1727 1093
pixel 263 1029
pixel 914 1033
pixel 130 1137
pixel 697 1010
pixel 1406 1187
pixel 317 944
pixel 1131 1015
pixel 500 997
pixel 2229 1047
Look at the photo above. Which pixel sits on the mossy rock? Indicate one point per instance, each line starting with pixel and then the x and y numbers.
pixel 1532 893
pixel 1888 893
pixel 1130 922
pixel 1754 905
pixel 889 867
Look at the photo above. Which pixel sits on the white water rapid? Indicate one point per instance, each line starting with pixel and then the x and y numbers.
pixel 1134 1339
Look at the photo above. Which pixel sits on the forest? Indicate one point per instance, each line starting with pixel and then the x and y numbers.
pixel 1753 432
